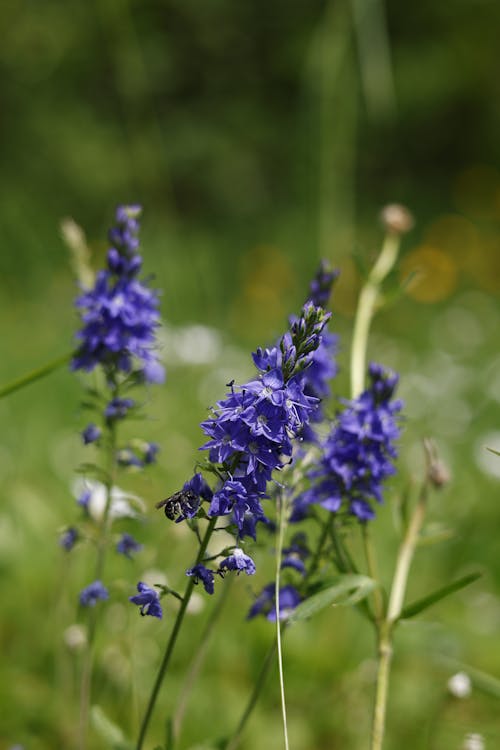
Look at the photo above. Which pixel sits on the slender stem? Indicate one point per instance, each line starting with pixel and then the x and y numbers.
pixel 102 543
pixel 40 372
pixel 385 628
pixel 173 638
pixel 405 556
pixel 236 738
pixel 198 658
pixel 281 535
pixel 366 310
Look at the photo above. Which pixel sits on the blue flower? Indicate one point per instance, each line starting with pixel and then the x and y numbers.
pixel 265 604
pixel 92 593
pixel 320 287
pixel 126 545
pixel 296 553
pixel 120 313
pixel 201 573
pixel 148 601
pixel 91 433
pixel 84 499
pixel 358 453
pixel 118 408
pixel 68 538
pixel 150 453
pixel 238 561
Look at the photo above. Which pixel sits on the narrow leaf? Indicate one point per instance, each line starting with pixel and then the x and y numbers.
pixel 347 590
pixel 492 450
pixel 427 601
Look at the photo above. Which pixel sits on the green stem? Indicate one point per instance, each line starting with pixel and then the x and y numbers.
pixel 236 738
pixel 279 552
pixel 199 658
pixel 102 543
pixel 395 606
pixel 34 375
pixel 173 638
pixel 366 309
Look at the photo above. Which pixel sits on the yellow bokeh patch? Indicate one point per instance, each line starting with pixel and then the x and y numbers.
pixel 429 274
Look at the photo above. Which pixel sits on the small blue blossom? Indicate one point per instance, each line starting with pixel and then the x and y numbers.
pixel 296 553
pixel 91 433
pixel 68 538
pixel 238 561
pixel 150 453
pixel 84 499
pixel 201 573
pixel 265 604
pixel 126 545
pixel 120 313
pixel 148 601
pixel 118 408
pixel 92 593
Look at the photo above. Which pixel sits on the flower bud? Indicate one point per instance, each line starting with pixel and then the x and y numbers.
pixel 397 219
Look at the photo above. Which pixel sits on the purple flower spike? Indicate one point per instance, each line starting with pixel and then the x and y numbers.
pixel 148 601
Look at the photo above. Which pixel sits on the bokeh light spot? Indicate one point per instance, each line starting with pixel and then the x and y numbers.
pixel 430 274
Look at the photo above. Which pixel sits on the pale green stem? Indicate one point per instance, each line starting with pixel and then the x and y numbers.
pixel 366 309
pixel 279 551
pixel 34 375
pixel 173 638
pixel 385 628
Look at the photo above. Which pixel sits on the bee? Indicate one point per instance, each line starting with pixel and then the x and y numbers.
pixel 183 503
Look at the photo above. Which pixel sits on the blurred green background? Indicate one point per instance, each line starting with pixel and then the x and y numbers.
pixel 259 137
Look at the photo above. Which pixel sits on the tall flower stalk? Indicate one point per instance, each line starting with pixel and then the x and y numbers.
pixel 117 339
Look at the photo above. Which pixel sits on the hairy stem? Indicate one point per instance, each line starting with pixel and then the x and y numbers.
pixel 173 638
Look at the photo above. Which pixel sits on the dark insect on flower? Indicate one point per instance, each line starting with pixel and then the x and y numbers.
pixel 182 504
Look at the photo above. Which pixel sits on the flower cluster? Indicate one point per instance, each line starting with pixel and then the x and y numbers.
pixel 120 312
pixel 250 437
pixel 251 430
pixel 359 451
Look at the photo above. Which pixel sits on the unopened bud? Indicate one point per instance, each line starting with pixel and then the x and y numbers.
pixel 439 474
pixel 397 218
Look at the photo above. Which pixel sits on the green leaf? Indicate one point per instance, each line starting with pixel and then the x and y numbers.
pixel 427 601
pixel 348 589
pixel 108 730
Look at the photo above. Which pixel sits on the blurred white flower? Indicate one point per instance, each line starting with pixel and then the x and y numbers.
pixel 123 504
pixel 459 685
pixel 75 637
pixel 473 742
